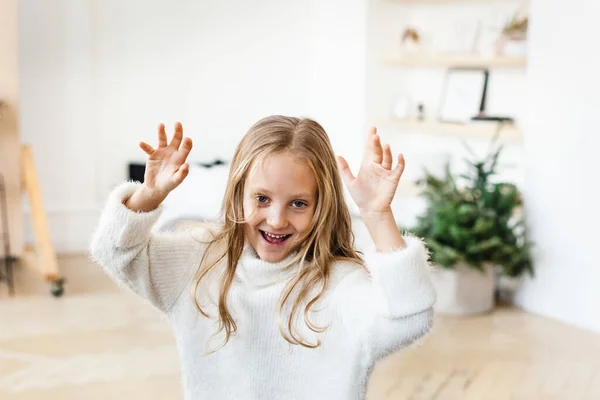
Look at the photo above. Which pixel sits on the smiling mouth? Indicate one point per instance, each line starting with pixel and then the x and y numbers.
pixel 274 239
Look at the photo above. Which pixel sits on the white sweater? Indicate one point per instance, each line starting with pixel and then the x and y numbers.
pixel 369 313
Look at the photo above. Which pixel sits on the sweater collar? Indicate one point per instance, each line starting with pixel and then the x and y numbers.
pixel 258 273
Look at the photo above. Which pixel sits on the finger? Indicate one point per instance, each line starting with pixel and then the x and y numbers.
pixel 186 147
pixel 181 173
pixel 146 147
pixel 387 157
pixel 344 170
pixel 162 136
pixel 400 166
pixel 177 136
pixel 376 150
pixel 369 143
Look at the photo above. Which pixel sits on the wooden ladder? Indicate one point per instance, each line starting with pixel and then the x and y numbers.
pixel 41 258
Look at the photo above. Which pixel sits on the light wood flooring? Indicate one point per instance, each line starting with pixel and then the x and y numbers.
pixel 98 342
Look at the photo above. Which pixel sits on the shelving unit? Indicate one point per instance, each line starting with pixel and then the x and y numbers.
pixel 477 130
pixel 454 60
pixel 434 57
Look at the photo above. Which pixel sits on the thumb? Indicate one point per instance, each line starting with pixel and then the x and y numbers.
pixel 344 170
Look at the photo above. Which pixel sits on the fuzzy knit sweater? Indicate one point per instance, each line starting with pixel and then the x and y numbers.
pixel 370 311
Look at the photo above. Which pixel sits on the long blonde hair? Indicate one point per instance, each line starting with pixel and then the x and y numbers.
pixel 330 239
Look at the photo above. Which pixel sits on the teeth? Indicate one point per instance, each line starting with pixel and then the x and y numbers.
pixel 275 236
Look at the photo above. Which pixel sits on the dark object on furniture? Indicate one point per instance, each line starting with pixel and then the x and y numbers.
pixel 463 94
pixel 467 85
pixel 482 116
pixel 7 261
pixel 421 112
pixel 137 170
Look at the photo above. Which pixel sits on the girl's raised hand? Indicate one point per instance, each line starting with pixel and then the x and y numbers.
pixel 166 166
pixel 375 185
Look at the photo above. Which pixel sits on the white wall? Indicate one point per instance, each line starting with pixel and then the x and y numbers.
pixel 215 66
pixel 98 77
pixel 338 73
pixel 9 131
pixel 562 143
pixel 58 113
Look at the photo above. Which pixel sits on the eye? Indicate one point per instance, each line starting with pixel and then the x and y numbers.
pixel 299 204
pixel 262 199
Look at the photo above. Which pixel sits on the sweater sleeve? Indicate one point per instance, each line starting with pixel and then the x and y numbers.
pixel 155 266
pixel 389 306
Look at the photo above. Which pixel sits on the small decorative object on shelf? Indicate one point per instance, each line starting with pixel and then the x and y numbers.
pixel 410 41
pixel 401 106
pixel 420 112
pixel 513 39
pixel 516 28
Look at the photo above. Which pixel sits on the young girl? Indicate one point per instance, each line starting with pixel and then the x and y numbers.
pixel 276 303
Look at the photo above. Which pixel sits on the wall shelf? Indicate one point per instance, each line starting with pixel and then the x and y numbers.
pixel 475 130
pixel 455 60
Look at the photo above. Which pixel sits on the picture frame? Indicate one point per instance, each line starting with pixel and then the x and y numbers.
pixel 463 95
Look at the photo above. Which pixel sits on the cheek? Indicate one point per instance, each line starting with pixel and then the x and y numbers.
pixel 252 216
pixel 248 210
pixel 304 222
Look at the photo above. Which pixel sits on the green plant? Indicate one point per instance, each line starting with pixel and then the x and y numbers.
pixel 410 34
pixel 477 222
pixel 516 27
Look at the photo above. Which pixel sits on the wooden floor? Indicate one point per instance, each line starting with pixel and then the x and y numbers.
pixel 98 342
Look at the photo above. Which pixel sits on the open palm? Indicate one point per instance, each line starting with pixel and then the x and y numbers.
pixel 375 185
pixel 166 166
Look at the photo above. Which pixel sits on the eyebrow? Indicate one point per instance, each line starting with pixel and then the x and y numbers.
pixel 297 195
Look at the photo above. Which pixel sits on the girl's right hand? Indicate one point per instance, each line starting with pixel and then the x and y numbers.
pixel 165 170
pixel 166 166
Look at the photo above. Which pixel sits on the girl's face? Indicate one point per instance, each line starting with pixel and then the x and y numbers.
pixel 279 203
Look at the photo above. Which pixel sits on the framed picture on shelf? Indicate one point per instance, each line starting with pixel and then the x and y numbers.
pixel 463 94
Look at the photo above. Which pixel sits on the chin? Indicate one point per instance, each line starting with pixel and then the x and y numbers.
pixel 271 256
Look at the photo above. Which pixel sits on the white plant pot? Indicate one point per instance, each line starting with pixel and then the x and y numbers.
pixel 515 48
pixel 511 47
pixel 463 290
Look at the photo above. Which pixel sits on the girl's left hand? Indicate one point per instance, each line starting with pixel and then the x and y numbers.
pixel 375 185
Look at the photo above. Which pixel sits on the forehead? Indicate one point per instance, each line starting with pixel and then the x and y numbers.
pixel 282 173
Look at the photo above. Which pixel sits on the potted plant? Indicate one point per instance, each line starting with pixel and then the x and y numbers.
pixel 475 235
pixel 410 40
pixel 513 38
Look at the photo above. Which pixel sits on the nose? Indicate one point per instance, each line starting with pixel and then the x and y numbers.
pixel 277 218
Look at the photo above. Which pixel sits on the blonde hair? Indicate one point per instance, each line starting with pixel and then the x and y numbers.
pixel 330 238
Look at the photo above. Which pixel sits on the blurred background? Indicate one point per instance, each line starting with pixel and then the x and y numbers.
pixel 83 81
